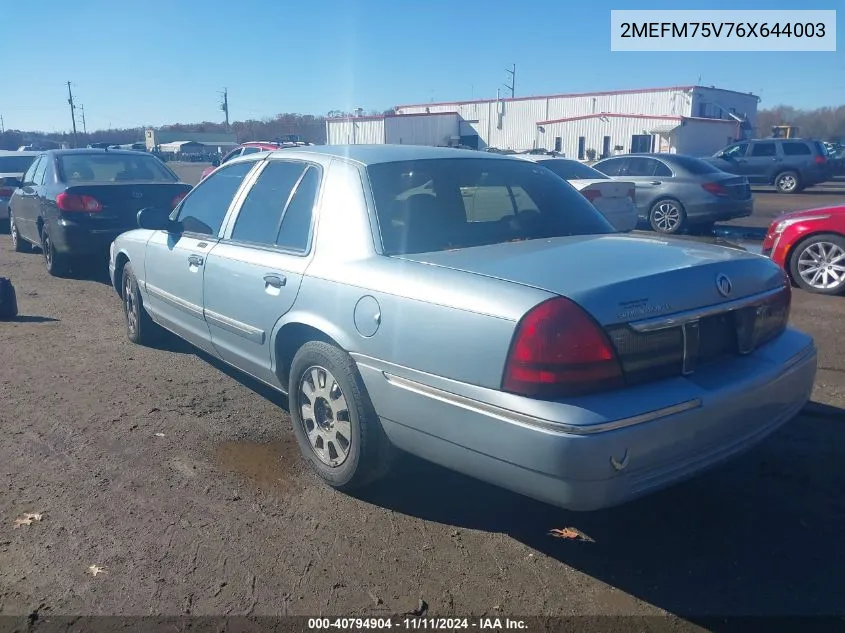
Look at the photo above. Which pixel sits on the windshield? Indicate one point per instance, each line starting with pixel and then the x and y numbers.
pixel 112 167
pixel 15 164
pixel 572 170
pixel 442 204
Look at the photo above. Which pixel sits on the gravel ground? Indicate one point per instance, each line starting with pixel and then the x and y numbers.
pixel 182 480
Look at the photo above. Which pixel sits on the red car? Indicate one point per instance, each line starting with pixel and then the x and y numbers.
pixel 242 150
pixel 810 246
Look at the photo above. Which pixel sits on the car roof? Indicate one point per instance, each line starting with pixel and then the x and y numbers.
pixel 374 154
pixel 11 152
pixel 535 158
pixel 92 150
pixel 658 155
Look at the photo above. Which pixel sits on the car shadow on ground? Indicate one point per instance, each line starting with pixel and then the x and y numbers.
pixel 755 536
pixel 28 318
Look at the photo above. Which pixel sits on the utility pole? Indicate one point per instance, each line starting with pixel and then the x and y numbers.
pixel 72 111
pixel 512 73
pixel 84 127
pixel 2 125
pixel 225 105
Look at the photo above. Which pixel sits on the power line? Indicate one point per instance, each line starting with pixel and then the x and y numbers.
pixel 72 111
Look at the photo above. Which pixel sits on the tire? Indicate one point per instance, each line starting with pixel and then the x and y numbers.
pixel 18 243
pixel 667 216
pixel 788 182
pixel 368 453
pixel 828 246
pixel 57 264
pixel 140 328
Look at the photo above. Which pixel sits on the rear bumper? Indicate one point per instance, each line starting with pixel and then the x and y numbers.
pixel 720 210
pixel 634 450
pixel 74 239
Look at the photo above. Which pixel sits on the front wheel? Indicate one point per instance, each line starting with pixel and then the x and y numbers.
pixel 667 217
pixel 335 424
pixel 818 264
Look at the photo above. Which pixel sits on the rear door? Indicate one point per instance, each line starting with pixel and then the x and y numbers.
pixel 32 194
pixel 651 179
pixel 761 162
pixel 23 204
pixel 253 275
pixel 175 263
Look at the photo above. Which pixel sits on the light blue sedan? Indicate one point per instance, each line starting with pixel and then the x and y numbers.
pixel 474 310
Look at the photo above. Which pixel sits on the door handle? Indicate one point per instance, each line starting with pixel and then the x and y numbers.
pixel 277 281
pixel 655 182
pixel 195 260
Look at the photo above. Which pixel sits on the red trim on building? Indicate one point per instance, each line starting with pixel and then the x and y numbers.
pixel 380 117
pixel 660 117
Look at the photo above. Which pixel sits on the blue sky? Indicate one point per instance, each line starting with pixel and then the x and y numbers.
pixel 157 61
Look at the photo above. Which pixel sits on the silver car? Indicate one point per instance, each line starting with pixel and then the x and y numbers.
pixel 676 192
pixel 470 309
pixel 13 165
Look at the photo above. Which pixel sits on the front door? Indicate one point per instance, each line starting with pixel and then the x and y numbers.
pixel 253 276
pixel 175 262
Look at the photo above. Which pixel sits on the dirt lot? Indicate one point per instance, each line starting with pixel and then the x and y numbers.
pixel 183 481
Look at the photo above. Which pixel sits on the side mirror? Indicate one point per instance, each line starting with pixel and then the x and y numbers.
pixel 215 162
pixel 157 219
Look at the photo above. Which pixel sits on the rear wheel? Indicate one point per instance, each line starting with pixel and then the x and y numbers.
pixel 335 424
pixel 818 264
pixel 140 328
pixel 57 264
pixel 667 216
pixel 788 182
pixel 18 243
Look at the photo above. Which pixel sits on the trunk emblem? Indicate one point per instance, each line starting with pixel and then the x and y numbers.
pixel 137 195
pixel 723 285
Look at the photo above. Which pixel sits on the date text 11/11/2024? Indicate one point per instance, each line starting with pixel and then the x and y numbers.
pixel 416 624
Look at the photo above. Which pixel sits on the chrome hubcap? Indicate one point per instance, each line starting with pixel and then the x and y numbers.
pixel 822 265
pixel 48 251
pixel 325 416
pixel 131 306
pixel 787 182
pixel 13 231
pixel 667 217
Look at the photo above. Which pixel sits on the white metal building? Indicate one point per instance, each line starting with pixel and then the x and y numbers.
pixel 440 128
pixel 685 119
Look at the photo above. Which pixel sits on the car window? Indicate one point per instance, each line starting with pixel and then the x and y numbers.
pixel 465 202
pixel 205 207
pixel 764 149
pixel 38 177
pixel 113 167
pixel 612 167
pixel 296 223
pixel 572 170
pixel 250 150
pixel 796 149
pixel 231 155
pixel 736 150
pixel 15 164
pixel 261 212
pixel 660 169
pixel 639 166
pixel 29 176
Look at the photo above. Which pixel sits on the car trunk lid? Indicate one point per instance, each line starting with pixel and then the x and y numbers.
pixel 122 201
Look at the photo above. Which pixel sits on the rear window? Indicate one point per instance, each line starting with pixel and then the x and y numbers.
pixel 15 164
pixel 442 204
pixel 797 149
pixel 694 165
pixel 112 167
pixel 572 170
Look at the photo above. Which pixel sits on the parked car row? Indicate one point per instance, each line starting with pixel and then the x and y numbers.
pixel 339 275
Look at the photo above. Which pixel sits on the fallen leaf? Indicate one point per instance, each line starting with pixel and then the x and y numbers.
pixel 28 518
pixel 570 533
pixel 96 569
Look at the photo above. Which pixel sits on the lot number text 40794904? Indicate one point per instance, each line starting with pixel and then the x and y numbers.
pixel 416 624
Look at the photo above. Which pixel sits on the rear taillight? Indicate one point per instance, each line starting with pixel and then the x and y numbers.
pixel 632 194
pixel 78 203
pixel 5 192
pixel 559 350
pixel 592 194
pixel 175 202
pixel 821 160
pixel 715 188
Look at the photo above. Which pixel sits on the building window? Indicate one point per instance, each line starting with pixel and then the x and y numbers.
pixel 558 143
pixel 582 147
